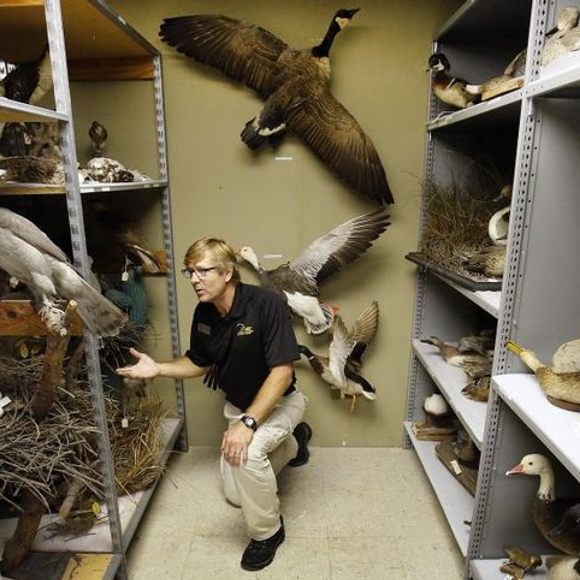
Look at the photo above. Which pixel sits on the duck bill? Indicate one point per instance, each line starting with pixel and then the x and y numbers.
pixel 515 470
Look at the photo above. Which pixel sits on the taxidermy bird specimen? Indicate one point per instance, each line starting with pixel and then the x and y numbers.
pixel 465 450
pixel 27 83
pixel 29 255
pixel 547 511
pixel 449 90
pixel 295 86
pixel 511 79
pixel 520 561
pixel 563 568
pixel 29 169
pixel 489 261
pixel 453 355
pixel 436 410
pixel 123 244
pixel 297 281
pixel 98 134
pixel 570 522
pixel 564 37
pixel 561 381
pixel 498 226
pixel 341 369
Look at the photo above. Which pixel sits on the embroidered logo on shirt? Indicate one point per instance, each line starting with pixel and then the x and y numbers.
pixel 203 328
pixel 243 330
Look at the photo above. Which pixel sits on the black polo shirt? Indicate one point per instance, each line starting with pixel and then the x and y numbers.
pixel 254 336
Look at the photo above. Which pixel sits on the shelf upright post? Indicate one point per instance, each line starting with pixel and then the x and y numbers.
pixel 182 442
pixel 56 41
pixel 517 241
pixel 414 364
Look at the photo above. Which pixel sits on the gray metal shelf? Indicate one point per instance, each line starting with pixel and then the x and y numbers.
pixel 455 500
pixel 104 46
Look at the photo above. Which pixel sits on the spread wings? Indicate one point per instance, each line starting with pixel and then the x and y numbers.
pixel 336 137
pixel 331 252
pixel 243 51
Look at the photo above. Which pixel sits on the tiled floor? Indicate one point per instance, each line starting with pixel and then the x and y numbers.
pixel 350 514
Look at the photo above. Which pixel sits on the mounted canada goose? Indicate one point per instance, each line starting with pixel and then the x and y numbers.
pixel 341 369
pixel 298 280
pixel 295 86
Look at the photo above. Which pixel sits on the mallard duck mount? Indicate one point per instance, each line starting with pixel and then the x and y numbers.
pixel 295 87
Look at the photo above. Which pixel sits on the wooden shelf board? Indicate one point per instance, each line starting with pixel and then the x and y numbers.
pixel 92 33
pixel 450 381
pixel 455 500
pixel 558 429
pixel 18 318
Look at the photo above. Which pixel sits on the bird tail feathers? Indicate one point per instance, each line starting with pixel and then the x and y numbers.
pixel 474 89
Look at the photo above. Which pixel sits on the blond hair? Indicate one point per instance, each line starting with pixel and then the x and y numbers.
pixel 221 252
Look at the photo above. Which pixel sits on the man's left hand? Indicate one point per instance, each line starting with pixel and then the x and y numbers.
pixel 235 443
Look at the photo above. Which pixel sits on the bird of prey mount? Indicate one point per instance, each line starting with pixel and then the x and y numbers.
pixel 29 255
pixel 295 87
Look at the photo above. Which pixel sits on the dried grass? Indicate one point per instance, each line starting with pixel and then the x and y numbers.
pixel 456 224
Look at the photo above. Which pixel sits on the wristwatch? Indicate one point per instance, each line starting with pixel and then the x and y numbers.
pixel 249 422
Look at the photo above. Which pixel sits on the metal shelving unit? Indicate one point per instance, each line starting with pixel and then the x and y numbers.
pixel 535 132
pixel 113 51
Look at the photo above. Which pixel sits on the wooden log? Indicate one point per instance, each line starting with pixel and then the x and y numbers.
pixel 52 372
pixel 18 318
pixel 18 547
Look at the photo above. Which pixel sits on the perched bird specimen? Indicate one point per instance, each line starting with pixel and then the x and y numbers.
pixel 563 568
pixel 480 343
pixel 98 134
pixel 295 87
pixel 452 354
pixel 449 90
pixel 489 261
pixel 561 381
pixel 547 511
pixel 564 37
pixel 465 449
pixel 478 388
pixel 511 79
pixel 298 280
pixel 29 255
pixel 29 81
pixel 436 410
pixel 520 561
pixel 123 244
pixel 341 369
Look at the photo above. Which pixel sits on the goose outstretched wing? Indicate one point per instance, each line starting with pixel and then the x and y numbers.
pixel 27 231
pixel 340 348
pixel 336 137
pixel 331 252
pixel 243 51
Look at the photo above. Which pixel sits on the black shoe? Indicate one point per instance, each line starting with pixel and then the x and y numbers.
pixel 260 554
pixel 303 434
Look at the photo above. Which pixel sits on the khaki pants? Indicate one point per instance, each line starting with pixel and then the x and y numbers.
pixel 252 486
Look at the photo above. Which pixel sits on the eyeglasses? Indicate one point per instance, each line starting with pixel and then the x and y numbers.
pixel 199 272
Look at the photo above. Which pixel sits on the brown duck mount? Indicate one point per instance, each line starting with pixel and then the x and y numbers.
pixel 547 510
pixel 294 84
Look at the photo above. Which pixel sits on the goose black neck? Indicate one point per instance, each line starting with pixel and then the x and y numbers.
pixel 305 351
pixel 323 49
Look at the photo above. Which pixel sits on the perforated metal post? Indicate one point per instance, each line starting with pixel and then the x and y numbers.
pixel 74 205
pixel 519 217
pixel 182 442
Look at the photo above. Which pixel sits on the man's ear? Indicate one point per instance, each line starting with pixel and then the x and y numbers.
pixel 229 275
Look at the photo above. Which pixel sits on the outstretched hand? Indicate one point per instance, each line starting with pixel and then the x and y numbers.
pixel 144 368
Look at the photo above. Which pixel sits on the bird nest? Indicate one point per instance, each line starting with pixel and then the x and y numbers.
pixel 456 225
pixel 46 457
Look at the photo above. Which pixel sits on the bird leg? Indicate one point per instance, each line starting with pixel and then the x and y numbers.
pixel 353 403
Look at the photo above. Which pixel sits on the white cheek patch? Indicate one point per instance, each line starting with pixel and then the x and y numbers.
pixel 342 22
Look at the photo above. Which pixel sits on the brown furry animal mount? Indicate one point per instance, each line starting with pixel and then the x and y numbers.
pixel 27 169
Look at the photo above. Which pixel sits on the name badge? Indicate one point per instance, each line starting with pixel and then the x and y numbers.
pixel 203 328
